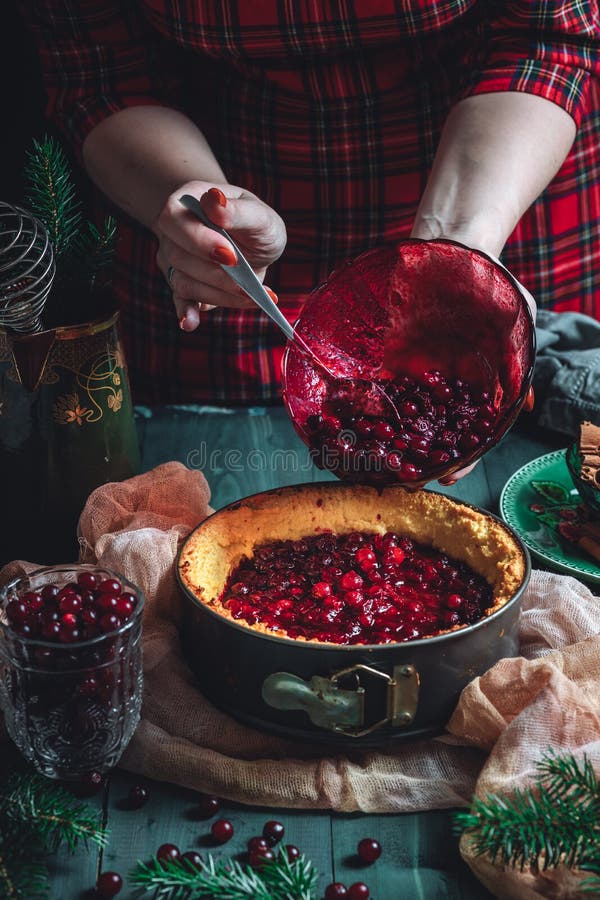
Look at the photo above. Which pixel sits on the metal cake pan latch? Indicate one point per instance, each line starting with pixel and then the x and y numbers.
pixel 342 709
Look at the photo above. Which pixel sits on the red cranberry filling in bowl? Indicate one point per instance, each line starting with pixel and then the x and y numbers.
pixel 447 335
pixel 351 564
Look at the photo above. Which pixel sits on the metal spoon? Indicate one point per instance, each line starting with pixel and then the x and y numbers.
pixel 244 276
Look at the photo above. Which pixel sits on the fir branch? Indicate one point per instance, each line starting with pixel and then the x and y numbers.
pixel 46 811
pixel 290 881
pixel 93 249
pixel 556 824
pixel 50 193
pixel 277 880
pixel 23 873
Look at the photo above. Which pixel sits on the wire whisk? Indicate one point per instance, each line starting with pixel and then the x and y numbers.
pixel 27 269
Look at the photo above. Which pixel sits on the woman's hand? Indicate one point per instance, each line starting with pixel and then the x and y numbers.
pixel 189 254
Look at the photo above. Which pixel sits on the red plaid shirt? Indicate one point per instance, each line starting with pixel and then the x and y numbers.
pixel 331 113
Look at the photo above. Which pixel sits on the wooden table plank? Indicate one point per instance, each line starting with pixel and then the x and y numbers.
pixel 171 816
pixel 419 860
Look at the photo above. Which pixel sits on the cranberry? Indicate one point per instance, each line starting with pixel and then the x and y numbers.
pixel 110 622
pixel 257 858
pixel 368 850
pixel 321 589
pixel 110 586
pixel 292 853
pixel 108 885
pixel 69 603
pixel 50 592
pixel 87 580
pixel 17 612
pixel 273 832
pixel 192 860
pixel 222 831
pixel 89 784
pixel 257 843
pixel 358 891
pixel 137 796
pixel 88 687
pixel 168 853
pixel 208 806
pixel 335 890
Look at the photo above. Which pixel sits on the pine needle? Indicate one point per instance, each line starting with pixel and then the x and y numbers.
pixel 50 193
pixel 558 823
pixel 276 880
pixel 47 811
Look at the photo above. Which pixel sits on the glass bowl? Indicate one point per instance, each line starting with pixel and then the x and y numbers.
pixel 71 667
pixel 446 331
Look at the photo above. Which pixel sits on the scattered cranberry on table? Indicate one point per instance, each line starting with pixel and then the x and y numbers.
pixel 108 885
pixel 368 850
pixel 168 853
pixel 257 843
pixel 222 831
pixel 292 853
pixel 335 890
pixel 358 891
pixel 273 832
pixel 137 796
pixel 257 858
pixel 208 806
pixel 89 784
pixel 192 859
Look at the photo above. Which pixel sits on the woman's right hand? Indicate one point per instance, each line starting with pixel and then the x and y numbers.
pixel 192 253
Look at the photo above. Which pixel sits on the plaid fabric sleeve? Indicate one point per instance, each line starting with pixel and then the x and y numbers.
pixel 546 47
pixel 97 57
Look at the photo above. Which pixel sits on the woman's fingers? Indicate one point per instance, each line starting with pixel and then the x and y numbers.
pixel 449 480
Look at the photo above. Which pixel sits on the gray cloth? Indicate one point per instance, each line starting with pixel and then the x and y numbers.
pixel 567 371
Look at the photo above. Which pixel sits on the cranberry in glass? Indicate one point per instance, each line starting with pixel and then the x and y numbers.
pixel 358 891
pixel 137 796
pixel 273 832
pixel 335 890
pixel 192 859
pixel 292 853
pixel 108 885
pixel 87 580
pixel 110 586
pixel 222 831
pixel 369 850
pixel 208 806
pixel 168 853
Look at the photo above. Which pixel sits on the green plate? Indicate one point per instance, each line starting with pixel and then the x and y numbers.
pixel 538 502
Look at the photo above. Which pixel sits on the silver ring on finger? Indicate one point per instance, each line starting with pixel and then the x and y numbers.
pixel 170 273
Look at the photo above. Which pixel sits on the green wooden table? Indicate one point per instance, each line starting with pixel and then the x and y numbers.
pixel 243 451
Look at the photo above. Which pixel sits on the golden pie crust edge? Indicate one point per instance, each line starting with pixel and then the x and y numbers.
pixel 467 534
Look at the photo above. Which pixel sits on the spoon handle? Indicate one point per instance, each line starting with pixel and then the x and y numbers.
pixel 242 272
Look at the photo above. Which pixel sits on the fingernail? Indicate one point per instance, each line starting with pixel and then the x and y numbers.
pixel 529 400
pixel 182 322
pixel 448 482
pixel 224 256
pixel 271 294
pixel 217 195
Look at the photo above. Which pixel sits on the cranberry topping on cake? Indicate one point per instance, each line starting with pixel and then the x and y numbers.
pixel 356 588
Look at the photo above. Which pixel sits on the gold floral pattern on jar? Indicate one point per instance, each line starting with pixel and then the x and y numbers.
pixel 68 410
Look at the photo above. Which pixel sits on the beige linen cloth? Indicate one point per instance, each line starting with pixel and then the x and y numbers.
pixel 505 720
